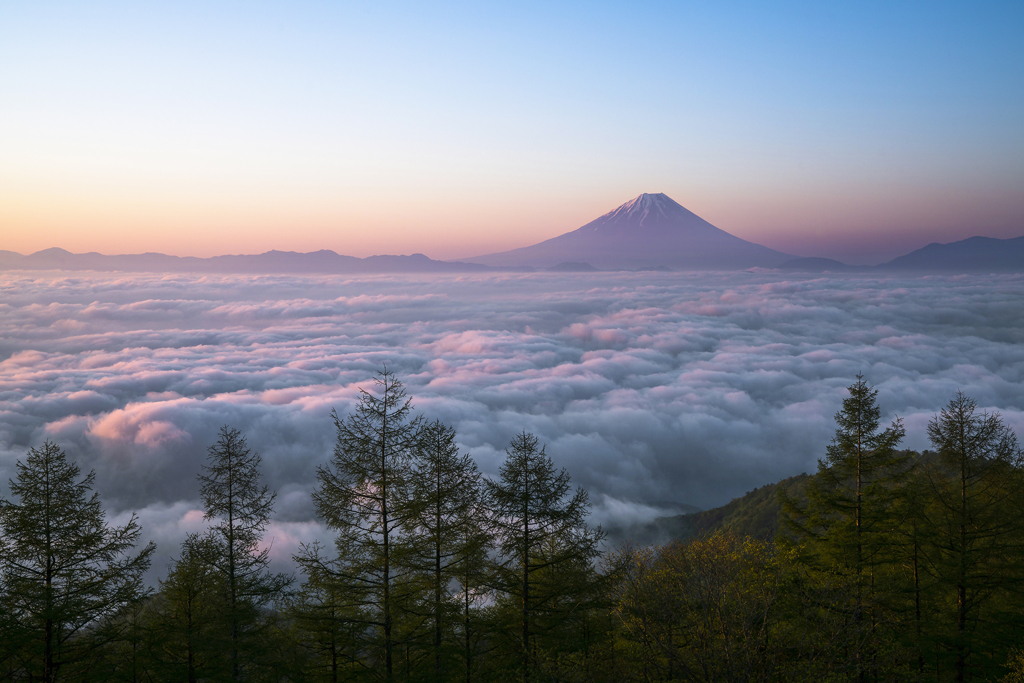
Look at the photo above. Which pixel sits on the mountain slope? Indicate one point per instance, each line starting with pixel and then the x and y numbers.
pixel 757 514
pixel 649 231
pixel 984 254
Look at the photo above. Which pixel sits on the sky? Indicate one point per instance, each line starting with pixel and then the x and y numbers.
pixel 653 390
pixel 856 131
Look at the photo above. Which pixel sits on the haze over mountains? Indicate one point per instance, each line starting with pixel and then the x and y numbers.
pixel 313 263
pixel 649 232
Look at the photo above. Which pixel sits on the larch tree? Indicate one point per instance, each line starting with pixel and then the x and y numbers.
pixel 66 573
pixel 473 568
pixel 448 526
pixel 540 529
pixel 362 494
pixel 186 612
pixel 329 620
pixel 851 512
pixel 978 493
pixel 240 509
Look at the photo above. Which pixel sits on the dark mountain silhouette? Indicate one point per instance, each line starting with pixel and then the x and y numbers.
pixel 650 231
pixel 315 262
pixel 974 254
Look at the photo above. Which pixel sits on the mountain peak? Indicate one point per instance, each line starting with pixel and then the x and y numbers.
pixel 646 208
pixel 647 214
pixel 649 231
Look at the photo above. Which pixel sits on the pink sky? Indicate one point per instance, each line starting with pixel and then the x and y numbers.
pixel 197 129
pixel 869 227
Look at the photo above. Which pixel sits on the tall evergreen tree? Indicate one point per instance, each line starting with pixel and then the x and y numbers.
pixel 851 511
pixel 66 573
pixel 240 509
pixel 449 525
pixel 329 622
pixel 186 613
pixel 540 529
pixel 363 495
pixel 978 493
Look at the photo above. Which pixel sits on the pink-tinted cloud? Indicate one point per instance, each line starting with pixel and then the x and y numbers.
pixel 653 389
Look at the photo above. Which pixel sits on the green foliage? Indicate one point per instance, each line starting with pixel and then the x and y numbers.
pixel 727 608
pixel 888 566
pixel 849 511
pixel 187 613
pixel 329 625
pixel 66 574
pixel 547 548
pixel 974 495
pixel 757 514
pixel 848 525
pixel 363 495
pixel 240 510
pixel 449 541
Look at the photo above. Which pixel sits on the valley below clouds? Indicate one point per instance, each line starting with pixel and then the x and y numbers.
pixel 654 390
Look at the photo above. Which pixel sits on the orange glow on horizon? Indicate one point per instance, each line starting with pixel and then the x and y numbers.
pixel 473 224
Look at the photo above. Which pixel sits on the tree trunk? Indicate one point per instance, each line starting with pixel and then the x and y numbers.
pixel 859 614
pixel 469 653
pixel 526 578
pixel 388 664
pixel 437 580
pixel 49 672
pixel 917 609
pixel 961 583
pixel 232 581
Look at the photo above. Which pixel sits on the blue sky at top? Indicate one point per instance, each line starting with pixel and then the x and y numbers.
pixel 848 130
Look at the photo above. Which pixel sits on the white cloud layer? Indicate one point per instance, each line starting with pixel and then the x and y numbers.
pixel 652 389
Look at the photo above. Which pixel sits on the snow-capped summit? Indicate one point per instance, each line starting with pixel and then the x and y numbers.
pixel 643 210
pixel 649 231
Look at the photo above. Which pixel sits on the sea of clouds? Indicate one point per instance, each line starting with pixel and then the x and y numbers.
pixel 654 390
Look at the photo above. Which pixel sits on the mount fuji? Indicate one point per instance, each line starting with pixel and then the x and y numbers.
pixel 650 231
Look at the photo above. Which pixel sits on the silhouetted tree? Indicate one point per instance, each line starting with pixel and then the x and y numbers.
pixel 330 621
pixel 66 574
pixel 363 495
pixel 186 613
pixel 540 530
pixel 449 526
pixel 978 494
pixel 240 509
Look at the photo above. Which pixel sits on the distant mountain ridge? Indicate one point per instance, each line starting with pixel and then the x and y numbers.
pixel 973 254
pixel 283 262
pixel 649 231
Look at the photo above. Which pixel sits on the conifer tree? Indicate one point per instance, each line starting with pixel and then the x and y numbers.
pixel 978 494
pixel 540 529
pixel 186 613
pixel 240 509
pixel 851 511
pixel 329 621
pixel 449 526
pixel 363 495
pixel 129 658
pixel 65 572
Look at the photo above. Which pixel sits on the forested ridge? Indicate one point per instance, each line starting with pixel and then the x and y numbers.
pixel 884 565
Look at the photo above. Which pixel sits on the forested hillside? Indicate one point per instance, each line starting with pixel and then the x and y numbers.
pixel 885 565
pixel 756 514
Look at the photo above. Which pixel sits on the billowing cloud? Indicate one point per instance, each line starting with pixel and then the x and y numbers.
pixel 653 389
